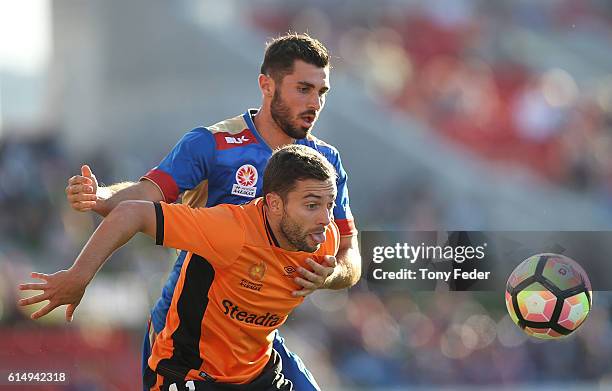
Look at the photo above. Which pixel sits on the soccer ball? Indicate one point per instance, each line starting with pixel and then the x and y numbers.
pixel 548 296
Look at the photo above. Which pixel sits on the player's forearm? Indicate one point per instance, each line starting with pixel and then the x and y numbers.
pixel 348 267
pixel 111 196
pixel 108 197
pixel 127 219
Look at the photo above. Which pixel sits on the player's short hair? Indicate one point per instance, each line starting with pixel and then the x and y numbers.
pixel 282 52
pixel 293 163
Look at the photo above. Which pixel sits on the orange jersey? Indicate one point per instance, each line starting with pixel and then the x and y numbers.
pixel 234 290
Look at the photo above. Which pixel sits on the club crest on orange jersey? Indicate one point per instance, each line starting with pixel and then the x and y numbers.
pixel 257 271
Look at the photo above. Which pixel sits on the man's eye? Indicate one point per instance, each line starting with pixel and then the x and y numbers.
pixel 303 89
pixel 311 206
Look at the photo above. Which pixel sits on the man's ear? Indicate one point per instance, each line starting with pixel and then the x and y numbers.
pixel 266 85
pixel 275 204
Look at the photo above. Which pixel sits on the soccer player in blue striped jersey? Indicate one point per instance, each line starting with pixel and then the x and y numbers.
pixel 224 162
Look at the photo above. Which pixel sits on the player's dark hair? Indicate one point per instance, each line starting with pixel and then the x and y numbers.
pixel 293 163
pixel 282 52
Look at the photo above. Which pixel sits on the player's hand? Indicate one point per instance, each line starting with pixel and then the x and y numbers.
pixel 63 287
pixel 81 190
pixel 313 280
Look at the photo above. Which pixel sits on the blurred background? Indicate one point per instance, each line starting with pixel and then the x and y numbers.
pixel 449 114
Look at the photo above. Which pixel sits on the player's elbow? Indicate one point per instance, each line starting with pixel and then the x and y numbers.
pixel 349 273
pixel 355 273
pixel 350 259
pixel 348 276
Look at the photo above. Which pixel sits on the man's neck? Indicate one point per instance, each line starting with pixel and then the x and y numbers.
pixel 269 130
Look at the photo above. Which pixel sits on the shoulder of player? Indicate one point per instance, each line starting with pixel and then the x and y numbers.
pixel 226 134
pixel 250 218
pixel 197 134
pixel 241 212
pixel 313 140
pixel 320 145
pixel 227 210
pixel 230 126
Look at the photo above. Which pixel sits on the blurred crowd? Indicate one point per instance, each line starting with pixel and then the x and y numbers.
pixel 39 232
pixel 476 73
pixel 465 69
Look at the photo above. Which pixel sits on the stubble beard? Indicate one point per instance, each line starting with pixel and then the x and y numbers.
pixel 294 235
pixel 281 114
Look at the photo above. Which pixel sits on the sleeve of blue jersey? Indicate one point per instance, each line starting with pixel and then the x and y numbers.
pixel 342 210
pixel 191 159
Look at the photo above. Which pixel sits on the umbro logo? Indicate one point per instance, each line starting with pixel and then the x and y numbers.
pixel 289 270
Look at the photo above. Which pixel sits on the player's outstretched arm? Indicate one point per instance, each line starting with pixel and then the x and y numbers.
pixel 84 194
pixel 68 286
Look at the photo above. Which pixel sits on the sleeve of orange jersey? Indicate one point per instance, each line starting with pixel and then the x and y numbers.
pixel 214 233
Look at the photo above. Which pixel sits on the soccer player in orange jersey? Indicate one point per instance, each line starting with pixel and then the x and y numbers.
pixel 235 286
pixel 222 164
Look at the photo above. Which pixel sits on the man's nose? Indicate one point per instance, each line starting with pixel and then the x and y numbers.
pixel 325 217
pixel 315 102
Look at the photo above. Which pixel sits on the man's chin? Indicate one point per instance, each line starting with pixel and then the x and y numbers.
pixel 313 249
pixel 302 133
pixel 307 248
